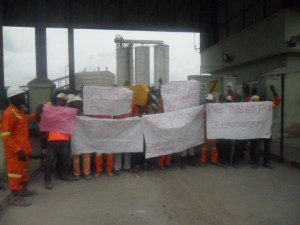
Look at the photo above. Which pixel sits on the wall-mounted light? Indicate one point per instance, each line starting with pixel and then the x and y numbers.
pixel 293 41
pixel 226 58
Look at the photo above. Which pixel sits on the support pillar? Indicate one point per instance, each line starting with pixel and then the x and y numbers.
pixel 41 88
pixel 71 58
pixel 2 93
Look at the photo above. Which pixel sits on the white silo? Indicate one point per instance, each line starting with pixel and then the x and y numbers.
pixel 122 65
pixel 161 64
pixel 142 65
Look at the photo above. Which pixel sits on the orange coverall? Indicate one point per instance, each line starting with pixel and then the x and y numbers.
pixel 99 156
pixel 15 136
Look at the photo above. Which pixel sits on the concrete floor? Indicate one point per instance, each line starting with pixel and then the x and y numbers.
pixel 208 196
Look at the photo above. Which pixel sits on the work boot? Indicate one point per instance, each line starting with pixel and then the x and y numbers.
pixel 48 185
pixel 27 193
pixel 17 200
pixel 65 176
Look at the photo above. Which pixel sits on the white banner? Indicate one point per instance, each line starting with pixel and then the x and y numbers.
pixel 167 133
pixel 107 135
pixel 180 95
pixel 247 120
pixel 110 101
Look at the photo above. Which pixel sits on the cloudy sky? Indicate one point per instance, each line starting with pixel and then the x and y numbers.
pixel 93 49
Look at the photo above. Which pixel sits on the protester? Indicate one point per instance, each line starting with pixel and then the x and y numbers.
pixel 224 145
pixel 208 142
pixel 109 157
pixel 57 147
pixel 267 141
pixel 124 164
pixel 17 146
pixel 77 103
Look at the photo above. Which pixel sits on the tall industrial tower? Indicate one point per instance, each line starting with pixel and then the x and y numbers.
pixel 141 74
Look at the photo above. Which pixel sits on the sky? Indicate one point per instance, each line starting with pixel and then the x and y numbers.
pixel 93 49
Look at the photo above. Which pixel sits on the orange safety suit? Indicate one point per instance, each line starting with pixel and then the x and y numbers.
pixel 164 160
pixel 86 164
pixel 15 136
pixel 214 154
pixel 99 156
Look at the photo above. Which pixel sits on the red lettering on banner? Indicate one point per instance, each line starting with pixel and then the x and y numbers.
pixel 215 108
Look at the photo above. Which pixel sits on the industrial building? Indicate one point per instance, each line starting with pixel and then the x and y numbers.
pixel 94 78
pixel 134 66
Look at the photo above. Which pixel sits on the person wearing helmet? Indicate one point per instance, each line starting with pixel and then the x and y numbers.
pixel 214 155
pixel 77 103
pixel 266 141
pixel 17 146
pixel 57 147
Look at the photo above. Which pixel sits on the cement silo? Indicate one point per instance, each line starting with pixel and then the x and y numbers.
pixel 142 65
pixel 161 63
pixel 122 65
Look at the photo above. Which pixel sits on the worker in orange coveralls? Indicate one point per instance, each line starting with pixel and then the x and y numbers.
pixel 17 146
pixel 77 103
pixel 99 158
pixel 214 155
pixel 163 160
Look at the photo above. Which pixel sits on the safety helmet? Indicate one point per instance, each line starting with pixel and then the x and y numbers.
pixel 70 97
pixel 229 98
pixel 62 95
pixel 254 98
pixel 13 91
pixel 209 97
pixel 77 98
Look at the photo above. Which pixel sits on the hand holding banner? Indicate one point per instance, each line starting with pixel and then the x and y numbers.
pixel 247 120
pixel 59 119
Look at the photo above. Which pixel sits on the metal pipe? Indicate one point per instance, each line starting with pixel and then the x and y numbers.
pixel 71 58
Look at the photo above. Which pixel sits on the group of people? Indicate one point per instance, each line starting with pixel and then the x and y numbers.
pixel 17 146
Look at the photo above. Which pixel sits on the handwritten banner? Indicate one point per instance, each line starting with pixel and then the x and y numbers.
pixel 111 101
pixel 107 135
pixel 180 95
pixel 59 119
pixel 171 132
pixel 248 120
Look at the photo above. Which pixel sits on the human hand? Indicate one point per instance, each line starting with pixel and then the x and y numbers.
pixel 22 155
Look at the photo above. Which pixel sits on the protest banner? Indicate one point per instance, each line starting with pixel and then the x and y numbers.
pixel 110 101
pixel 59 119
pixel 180 95
pixel 247 120
pixel 107 135
pixel 167 133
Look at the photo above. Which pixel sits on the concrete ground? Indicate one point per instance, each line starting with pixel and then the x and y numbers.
pixel 210 196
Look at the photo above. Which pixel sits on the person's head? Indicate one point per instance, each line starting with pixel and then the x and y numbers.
pixel 209 98
pixel 70 98
pixel 16 96
pixel 78 104
pixel 61 99
pixel 255 98
pixel 222 98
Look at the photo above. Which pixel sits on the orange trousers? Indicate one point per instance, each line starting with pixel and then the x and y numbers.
pixel 214 155
pixel 164 160
pixel 17 171
pixel 86 164
pixel 109 163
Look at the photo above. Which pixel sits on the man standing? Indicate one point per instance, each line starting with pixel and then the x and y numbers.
pixel 17 146
pixel 57 147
